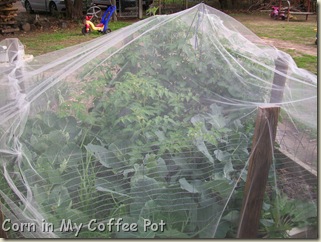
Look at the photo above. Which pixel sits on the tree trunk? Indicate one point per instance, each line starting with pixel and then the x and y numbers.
pixel 223 4
pixel 78 9
pixel 74 10
pixel 68 8
pixel 114 17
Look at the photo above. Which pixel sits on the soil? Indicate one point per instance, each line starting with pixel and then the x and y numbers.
pixel 282 44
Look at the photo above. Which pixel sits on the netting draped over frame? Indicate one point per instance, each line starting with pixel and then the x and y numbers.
pixel 154 122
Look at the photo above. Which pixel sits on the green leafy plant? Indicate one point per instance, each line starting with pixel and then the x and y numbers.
pixel 152 11
pixel 145 138
pixel 281 214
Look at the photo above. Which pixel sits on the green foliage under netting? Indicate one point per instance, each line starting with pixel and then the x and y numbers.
pixel 157 126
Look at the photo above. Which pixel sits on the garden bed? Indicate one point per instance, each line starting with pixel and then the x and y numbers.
pixel 149 125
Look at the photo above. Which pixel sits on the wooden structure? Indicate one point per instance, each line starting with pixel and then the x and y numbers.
pixel 281 66
pixel 258 171
pixel 8 17
pixel 289 12
pixel 262 155
pixel 3 234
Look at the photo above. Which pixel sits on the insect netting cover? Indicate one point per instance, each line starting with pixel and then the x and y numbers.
pixel 147 132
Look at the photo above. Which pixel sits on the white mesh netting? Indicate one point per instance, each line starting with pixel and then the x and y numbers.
pixel 153 124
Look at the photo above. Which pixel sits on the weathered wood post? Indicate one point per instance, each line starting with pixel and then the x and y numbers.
pixel 281 68
pixel 140 9
pixel 258 171
pixel 309 9
pixel 3 233
pixel 114 17
pixel 160 7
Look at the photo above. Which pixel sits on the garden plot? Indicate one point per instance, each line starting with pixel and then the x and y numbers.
pixel 149 123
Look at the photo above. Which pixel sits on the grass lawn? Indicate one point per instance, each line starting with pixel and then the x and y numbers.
pixel 43 42
pixel 299 32
pixel 304 61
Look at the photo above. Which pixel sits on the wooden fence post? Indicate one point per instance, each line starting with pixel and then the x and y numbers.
pixel 3 233
pixel 114 17
pixel 140 9
pixel 281 65
pixel 160 7
pixel 258 170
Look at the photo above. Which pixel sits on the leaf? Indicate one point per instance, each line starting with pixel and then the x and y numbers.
pixel 267 222
pixel 266 206
pixel 162 168
pixel 128 171
pixel 172 234
pixel 187 186
pixel 303 210
pixel 238 124
pixel 72 153
pixel 50 118
pixel 110 187
pixel 143 188
pixel 37 145
pixel 39 193
pixel 222 187
pixel 32 177
pixel 208 216
pixel 59 197
pixel 222 229
pixel 180 201
pixel 75 215
pixel 57 137
pixel 232 216
pixel 218 122
pixel 139 234
pixel 182 163
pixel 105 189
pixel 197 119
pixel 202 148
pixel 104 156
pixel 160 135
pixel 222 156
pixel 244 175
pixel 69 125
pixel 215 109
pixel 149 233
pixel 228 168
pixel 149 207
pixel 54 176
pixel 72 180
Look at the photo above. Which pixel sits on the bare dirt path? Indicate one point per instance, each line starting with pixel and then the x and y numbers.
pixel 283 44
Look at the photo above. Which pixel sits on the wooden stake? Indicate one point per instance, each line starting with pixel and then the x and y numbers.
pixel 3 233
pixel 114 17
pixel 281 65
pixel 259 166
pixel 309 5
pixel 160 7
pixel 140 9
